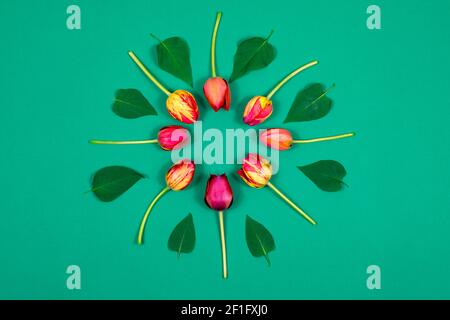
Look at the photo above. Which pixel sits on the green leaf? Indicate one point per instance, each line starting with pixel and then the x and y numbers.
pixel 326 174
pixel 131 104
pixel 110 183
pixel 259 240
pixel 252 54
pixel 311 103
pixel 174 57
pixel 182 238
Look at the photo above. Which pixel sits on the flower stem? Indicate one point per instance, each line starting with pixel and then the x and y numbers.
pixel 224 247
pixel 213 44
pixel 147 73
pixel 336 137
pixel 290 76
pixel 293 205
pixel 123 142
pixel 147 213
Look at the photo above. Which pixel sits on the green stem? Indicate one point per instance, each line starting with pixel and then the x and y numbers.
pixel 213 45
pixel 224 246
pixel 123 142
pixel 336 137
pixel 147 73
pixel 289 77
pixel 147 213
pixel 293 205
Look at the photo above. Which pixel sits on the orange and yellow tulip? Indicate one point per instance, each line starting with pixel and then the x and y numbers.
pixel 256 171
pixel 178 177
pixel 182 106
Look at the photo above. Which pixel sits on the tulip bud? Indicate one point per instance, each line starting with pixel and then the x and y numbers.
pixel 182 106
pixel 180 175
pixel 278 139
pixel 173 137
pixel 256 171
pixel 258 109
pixel 217 92
pixel 218 195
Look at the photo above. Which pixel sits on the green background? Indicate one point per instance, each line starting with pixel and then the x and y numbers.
pixel 57 86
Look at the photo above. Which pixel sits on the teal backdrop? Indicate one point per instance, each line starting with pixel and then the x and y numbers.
pixel 392 89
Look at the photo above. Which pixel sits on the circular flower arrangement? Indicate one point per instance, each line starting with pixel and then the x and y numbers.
pixel 256 171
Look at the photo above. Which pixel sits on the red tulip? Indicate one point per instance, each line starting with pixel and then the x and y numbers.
pixel 218 195
pixel 173 137
pixel 217 92
pixel 178 177
pixel 281 139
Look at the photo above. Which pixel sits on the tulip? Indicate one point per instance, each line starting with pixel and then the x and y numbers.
pixel 169 138
pixel 217 93
pixel 259 108
pixel 256 171
pixel 219 197
pixel 216 89
pixel 180 104
pixel 178 177
pixel 173 137
pixel 281 139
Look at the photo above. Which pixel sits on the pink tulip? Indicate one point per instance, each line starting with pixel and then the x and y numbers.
pixel 173 137
pixel 258 109
pixel 218 195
